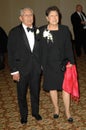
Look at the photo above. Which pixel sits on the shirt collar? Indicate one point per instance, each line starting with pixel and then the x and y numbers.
pixel 24 26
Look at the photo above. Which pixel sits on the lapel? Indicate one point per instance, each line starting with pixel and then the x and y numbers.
pixel 84 14
pixel 24 38
pixel 26 42
pixel 35 36
pixel 78 16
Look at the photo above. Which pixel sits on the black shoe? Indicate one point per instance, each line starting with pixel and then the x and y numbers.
pixel 37 117
pixel 70 120
pixel 23 120
pixel 55 116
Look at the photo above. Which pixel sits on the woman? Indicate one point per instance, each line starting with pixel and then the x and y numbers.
pixel 55 44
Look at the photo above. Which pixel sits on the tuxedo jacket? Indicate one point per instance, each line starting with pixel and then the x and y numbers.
pixel 76 22
pixel 20 56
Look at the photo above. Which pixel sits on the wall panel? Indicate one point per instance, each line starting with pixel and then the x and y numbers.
pixel 9 11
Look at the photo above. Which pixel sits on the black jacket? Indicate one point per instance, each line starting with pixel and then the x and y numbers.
pixel 20 56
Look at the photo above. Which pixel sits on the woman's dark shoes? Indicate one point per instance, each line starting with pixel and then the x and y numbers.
pixel 70 120
pixel 23 120
pixel 37 117
pixel 55 116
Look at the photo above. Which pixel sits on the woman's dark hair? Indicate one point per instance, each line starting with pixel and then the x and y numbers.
pixel 53 8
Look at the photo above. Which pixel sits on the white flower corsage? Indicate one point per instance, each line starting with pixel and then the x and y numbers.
pixel 37 31
pixel 48 35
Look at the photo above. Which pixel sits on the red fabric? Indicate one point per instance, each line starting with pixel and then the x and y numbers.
pixel 70 83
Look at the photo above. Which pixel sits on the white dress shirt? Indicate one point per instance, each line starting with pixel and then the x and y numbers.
pixel 30 37
pixel 81 15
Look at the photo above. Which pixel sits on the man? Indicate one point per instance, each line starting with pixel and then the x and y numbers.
pixel 24 63
pixel 78 19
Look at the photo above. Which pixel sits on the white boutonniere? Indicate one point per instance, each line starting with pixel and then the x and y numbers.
pixel 37 31
pixel 48 35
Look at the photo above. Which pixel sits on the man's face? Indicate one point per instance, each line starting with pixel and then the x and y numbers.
pixel 79 8
pixel 27 17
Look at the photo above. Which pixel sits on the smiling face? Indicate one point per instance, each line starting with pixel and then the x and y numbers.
pixel 26 17
pixel 53 18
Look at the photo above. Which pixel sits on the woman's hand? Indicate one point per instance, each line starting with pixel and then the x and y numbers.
pixel 69 65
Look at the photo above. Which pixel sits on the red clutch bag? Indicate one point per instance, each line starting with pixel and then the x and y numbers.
pixel 70 82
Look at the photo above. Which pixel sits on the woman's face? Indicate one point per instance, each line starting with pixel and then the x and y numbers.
pixel 53 18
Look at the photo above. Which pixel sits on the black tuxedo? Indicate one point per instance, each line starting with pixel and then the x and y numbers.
pixel 26 62
pixel 79 32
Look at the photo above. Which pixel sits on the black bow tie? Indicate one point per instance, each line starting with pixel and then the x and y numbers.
pixel 30 29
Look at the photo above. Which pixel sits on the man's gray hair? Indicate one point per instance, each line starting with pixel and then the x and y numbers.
pixel 23 9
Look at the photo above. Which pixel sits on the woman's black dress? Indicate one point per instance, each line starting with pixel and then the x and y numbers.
pixel 52 54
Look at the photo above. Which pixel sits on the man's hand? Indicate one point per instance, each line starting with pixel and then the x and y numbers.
pixel 16 77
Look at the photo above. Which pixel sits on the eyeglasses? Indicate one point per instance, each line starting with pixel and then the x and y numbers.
pixel 26 15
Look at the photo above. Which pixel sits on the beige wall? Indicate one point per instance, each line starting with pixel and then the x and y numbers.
pixel 67 7
pixel 4 15
pixel 9 11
